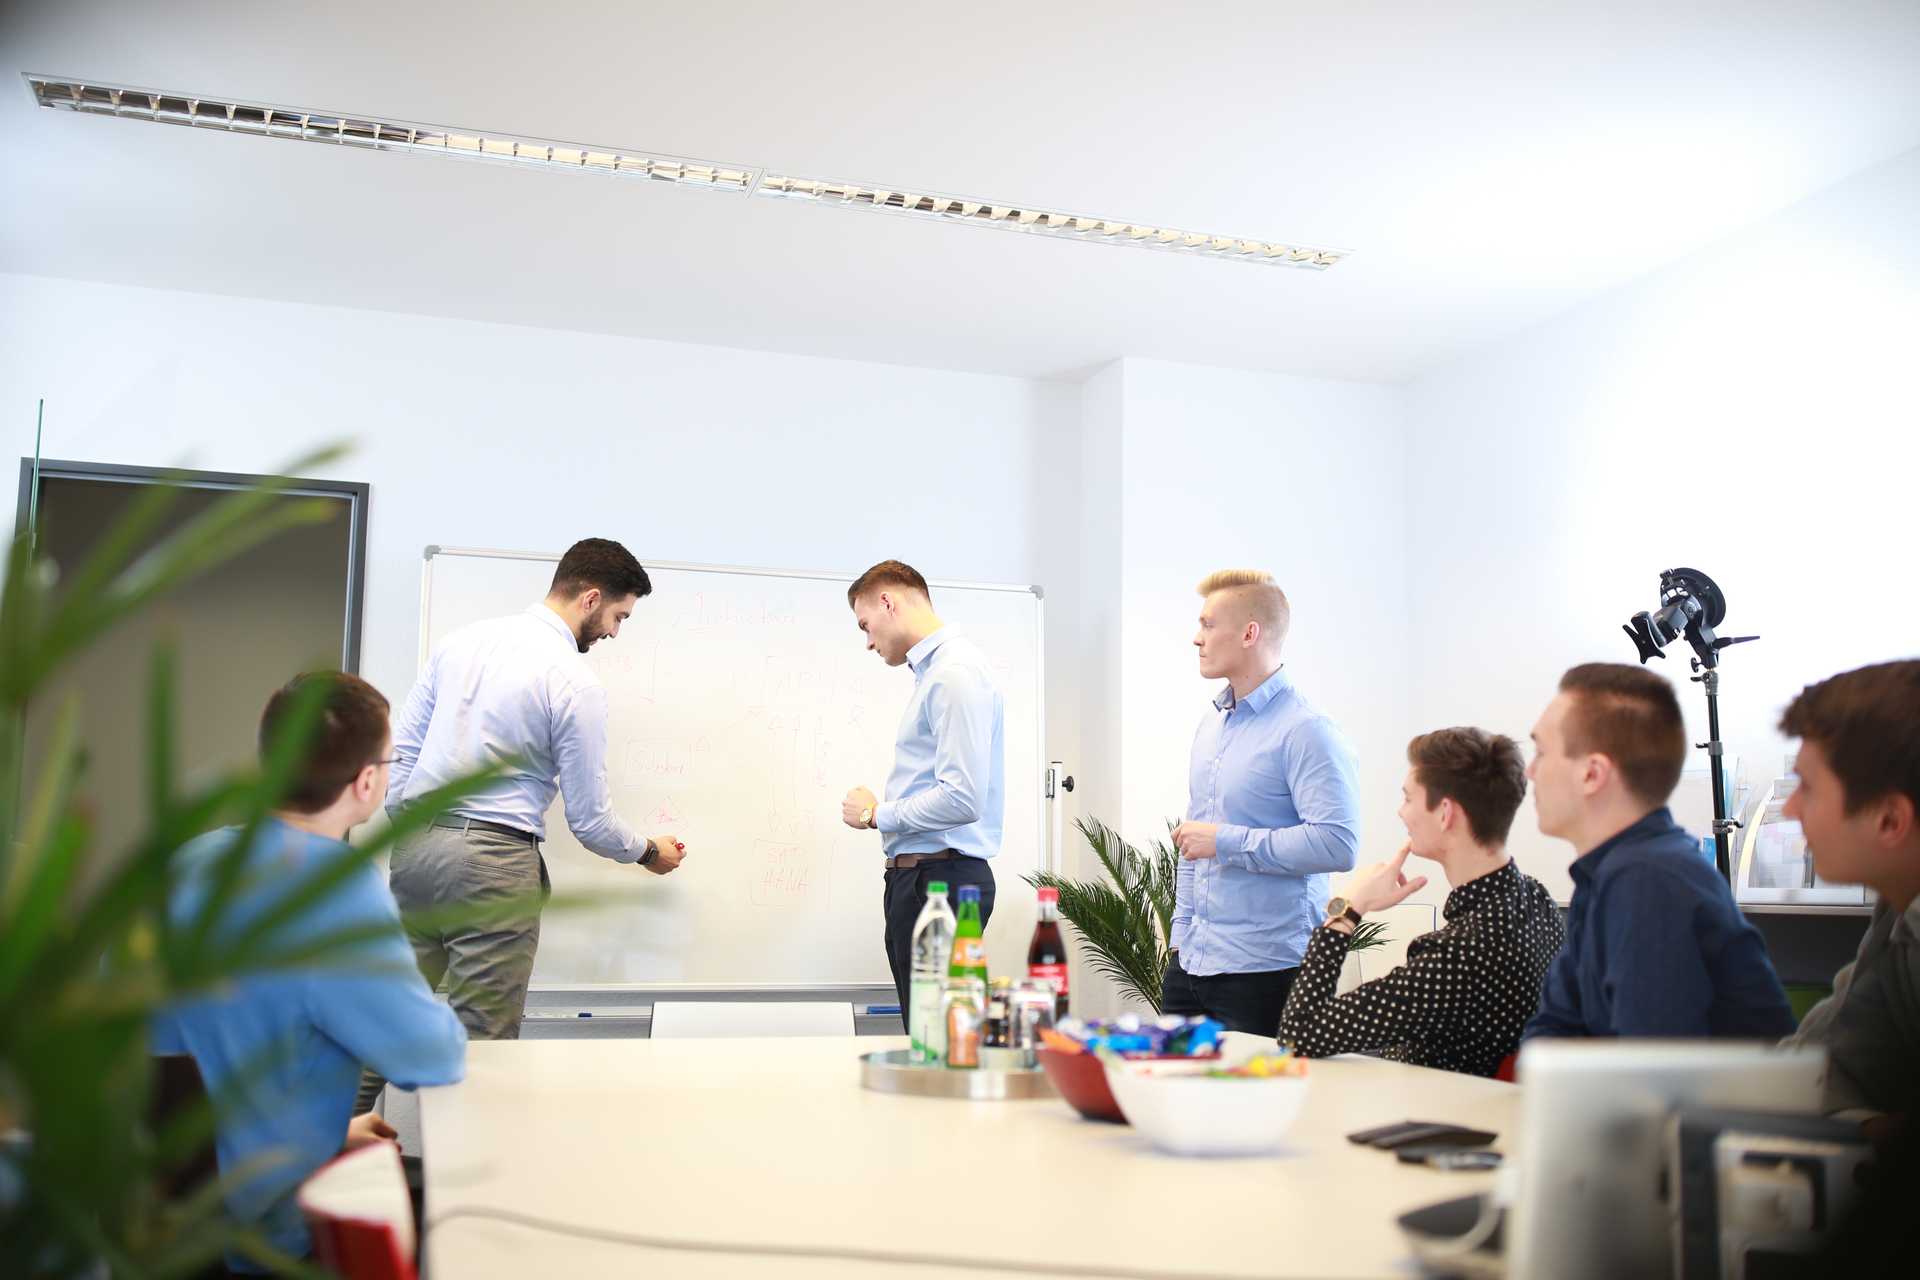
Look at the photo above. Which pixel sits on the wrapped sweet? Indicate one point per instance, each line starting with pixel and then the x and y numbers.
pixel 1132 1036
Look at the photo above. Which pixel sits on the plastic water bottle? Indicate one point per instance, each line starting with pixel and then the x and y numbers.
pixel 932 951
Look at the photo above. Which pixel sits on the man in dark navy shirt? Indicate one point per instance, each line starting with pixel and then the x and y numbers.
pixel 1655 945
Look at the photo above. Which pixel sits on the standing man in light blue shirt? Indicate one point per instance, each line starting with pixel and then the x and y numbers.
pixel 1272 811
pixel 514 688
pixel 946 798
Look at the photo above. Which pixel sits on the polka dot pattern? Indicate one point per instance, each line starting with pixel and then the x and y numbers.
pixel 1461 999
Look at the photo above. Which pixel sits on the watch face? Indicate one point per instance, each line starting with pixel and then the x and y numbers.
pixel 1336 906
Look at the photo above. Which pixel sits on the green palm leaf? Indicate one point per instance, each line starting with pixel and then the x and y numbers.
pixel 88 947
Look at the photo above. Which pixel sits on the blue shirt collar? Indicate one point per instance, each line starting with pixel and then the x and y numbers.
pixel 554 620
pixel 1270 688
pixel 918 655
pixel 1656 823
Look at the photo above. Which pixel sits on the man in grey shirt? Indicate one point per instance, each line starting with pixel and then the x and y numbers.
pixel 1859 804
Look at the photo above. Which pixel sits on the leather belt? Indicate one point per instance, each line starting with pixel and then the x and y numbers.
pixel 454 822
pixel 907 861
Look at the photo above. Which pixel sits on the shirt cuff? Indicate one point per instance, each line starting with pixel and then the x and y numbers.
pixel 886 816
pixel 1325 938
pixel 1230 844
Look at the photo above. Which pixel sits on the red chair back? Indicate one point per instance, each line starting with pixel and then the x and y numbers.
pixel 361 1216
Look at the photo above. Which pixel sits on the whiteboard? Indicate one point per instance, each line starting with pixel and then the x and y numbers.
pixel 744 705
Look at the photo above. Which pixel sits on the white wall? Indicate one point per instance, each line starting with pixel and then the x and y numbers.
pixel 1098 768
pixel 1190 469
pixel 1116 495
pixel 489 435
pixel 1303 478
pixel 1751 412
pixel 1449 547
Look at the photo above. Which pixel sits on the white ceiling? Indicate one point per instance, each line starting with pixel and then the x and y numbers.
pixel 1488 163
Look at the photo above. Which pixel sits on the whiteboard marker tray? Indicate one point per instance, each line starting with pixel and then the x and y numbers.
pixel 893 1071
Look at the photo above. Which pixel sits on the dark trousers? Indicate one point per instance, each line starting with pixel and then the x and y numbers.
pixel 1250 1002
pixel 906 893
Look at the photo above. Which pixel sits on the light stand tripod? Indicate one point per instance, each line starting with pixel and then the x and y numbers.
pixel 1692 606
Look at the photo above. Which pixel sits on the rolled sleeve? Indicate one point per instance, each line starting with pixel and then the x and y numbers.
pixel 1230 842
pixel 580 754
pixel 1322 775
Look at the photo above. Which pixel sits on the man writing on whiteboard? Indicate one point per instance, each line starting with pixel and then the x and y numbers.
pixel 1272 810
pixel 515 687
pixel 946 797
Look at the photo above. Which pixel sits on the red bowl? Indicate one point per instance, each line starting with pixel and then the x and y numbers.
pixel 1081 1079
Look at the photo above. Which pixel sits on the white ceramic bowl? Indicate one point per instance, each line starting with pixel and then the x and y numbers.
pixel 1185 1112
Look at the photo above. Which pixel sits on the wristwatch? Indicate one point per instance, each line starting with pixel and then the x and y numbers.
pixel 652 852
pixel 866 817
pixel 1341 909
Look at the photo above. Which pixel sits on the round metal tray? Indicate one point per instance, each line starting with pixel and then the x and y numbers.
pixel 893 1071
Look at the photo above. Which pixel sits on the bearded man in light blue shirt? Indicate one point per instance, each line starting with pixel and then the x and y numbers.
pixel 946 798
pixel 1272 812
pixel 514 689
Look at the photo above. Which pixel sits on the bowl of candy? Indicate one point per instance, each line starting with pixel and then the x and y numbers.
pixel 1074 1053
pixel 1209 1109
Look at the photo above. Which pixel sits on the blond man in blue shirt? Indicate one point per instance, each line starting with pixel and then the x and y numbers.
pixel 1272 813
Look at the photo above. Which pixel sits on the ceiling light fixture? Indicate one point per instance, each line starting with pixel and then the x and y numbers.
pixel 233 116
pixel 372 133
pixel 1046 222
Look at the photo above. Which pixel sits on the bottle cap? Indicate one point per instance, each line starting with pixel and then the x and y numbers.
pixel 969 893
pixel 936 888
pixel 1050 895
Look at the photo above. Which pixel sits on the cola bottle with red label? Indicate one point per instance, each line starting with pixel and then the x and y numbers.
pixel 1047 954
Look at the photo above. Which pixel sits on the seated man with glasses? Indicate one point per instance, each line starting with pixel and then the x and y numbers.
pixel 281 1049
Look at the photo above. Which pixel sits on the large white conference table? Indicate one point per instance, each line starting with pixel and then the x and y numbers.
pixel 773 1148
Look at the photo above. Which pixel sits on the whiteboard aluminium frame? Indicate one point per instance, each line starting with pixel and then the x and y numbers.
pixel 1041 834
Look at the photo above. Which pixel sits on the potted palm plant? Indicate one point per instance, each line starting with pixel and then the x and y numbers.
pixel 1125 920
pixel 87 951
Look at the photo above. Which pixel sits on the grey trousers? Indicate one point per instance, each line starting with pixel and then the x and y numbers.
pixel 484 967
